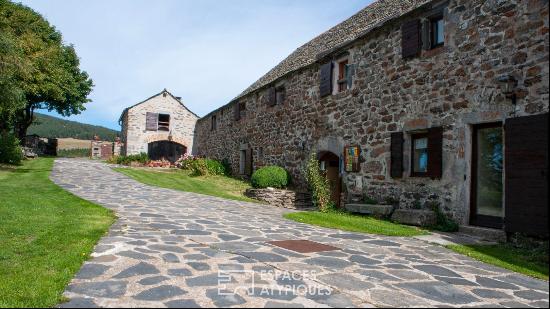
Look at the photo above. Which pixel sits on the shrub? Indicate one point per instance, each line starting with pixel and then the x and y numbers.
pixel 74 153
pixel 141 158
pixel 203 167
pixel 319 185
pixel 270 176
pixel 184 162
pixel 10 150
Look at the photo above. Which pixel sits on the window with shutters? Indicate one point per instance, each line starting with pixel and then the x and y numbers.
pixel 163 122
pixel 427 153
pixel 419 155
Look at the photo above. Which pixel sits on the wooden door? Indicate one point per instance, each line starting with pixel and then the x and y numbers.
pixel 526 175
pixel 330 164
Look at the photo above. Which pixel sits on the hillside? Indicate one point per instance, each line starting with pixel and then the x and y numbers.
pixel 48 126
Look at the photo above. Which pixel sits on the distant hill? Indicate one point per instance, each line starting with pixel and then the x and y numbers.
pixel 48 126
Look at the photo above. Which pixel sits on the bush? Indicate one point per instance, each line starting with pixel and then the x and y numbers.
pixel 74 153
pixel 142 158
pixel 270 176
pixel 10 150
pixel 319 185
pixel 203 167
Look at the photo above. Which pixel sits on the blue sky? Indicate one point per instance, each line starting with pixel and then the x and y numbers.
pixel 205 51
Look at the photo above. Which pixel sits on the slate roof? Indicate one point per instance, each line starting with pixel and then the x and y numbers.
pixel 366 20
pixel 149 98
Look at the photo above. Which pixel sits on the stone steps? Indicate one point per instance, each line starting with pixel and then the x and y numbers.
pixel 488 234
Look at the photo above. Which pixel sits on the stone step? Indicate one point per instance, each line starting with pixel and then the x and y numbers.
pixel 370 209
pixel 418 217
pixel 488 234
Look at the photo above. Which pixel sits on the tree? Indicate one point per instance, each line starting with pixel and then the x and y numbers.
pixel 11 94
pixel 49 76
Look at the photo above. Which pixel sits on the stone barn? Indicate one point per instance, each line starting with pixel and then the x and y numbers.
pixel 160 126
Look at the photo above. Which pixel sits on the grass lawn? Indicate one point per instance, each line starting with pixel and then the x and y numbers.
pixel 354 223
pixel 178 179
pixel 46 234
pixel 530 262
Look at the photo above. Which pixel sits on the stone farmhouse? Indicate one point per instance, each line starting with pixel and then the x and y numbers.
pixel 416 102
pixel 160 126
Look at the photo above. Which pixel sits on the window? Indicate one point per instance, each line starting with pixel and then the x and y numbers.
pixel 214 124
pixel 164 122
pixel 437 31
pixel 280 94
pixel 342 76
pixel 419 155
pixel 242 109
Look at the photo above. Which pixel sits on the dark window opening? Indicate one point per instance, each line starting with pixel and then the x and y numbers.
pixel 437 32
pixel 242 109
pixel 342 75
pixel 419 155
pixel 164 122
pixel 280 94
pixel 214 124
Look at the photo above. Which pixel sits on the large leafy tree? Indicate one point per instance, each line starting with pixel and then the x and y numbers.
pixel 48 75
pixel 11 94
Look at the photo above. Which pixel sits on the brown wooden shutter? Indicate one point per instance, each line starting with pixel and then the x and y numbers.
pixel 248 162
pixel 271 96
pixel 326 79
pixel 236 111
pixel 526 175
pixel 435 152
pixel 396 167
pixel 151 121
pixel 410 38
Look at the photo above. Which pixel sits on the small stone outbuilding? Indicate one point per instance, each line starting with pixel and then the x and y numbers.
pixel 160 126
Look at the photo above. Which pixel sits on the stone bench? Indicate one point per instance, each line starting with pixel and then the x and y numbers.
pixel 418 217
pixel 370 209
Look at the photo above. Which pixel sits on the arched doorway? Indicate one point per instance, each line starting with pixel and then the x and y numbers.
pixel 166 150
pixel 330 165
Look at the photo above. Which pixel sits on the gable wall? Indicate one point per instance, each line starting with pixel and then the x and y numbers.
pixel 182 124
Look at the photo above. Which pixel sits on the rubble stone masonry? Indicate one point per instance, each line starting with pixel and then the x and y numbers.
pixel 454 86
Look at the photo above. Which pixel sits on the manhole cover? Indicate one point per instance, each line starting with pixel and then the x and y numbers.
pixel 303 246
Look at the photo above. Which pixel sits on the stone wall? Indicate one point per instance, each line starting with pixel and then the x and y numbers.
pixel 454 86
pixel 182 124
pixel 281 198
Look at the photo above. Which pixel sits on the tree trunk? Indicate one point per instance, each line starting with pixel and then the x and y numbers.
pixel 24 120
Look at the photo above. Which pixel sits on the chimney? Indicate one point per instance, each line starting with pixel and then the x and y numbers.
pixel 179 98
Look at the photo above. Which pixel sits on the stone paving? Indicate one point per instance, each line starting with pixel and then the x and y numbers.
pixel 178 249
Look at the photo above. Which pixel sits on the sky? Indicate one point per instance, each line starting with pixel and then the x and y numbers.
pixel 206 51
